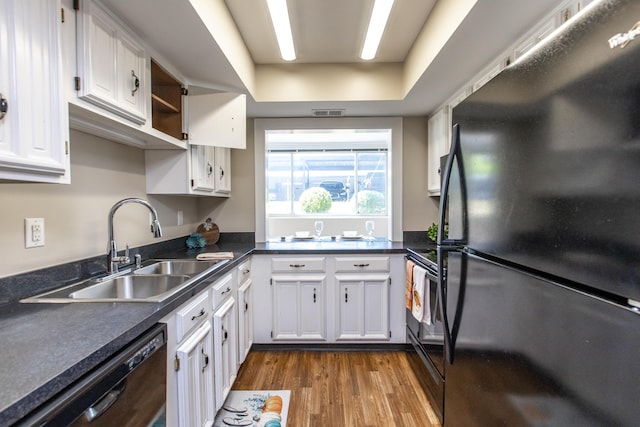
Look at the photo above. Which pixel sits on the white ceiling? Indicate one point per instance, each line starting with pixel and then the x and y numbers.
pixel 328 32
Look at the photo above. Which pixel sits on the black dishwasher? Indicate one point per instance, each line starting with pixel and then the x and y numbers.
pixel 128 390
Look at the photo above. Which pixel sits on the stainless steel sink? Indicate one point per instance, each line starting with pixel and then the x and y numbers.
pixel 187 267
pixel 152 283
pixel 132 287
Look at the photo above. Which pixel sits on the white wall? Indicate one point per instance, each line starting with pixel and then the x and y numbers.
pixel 102 172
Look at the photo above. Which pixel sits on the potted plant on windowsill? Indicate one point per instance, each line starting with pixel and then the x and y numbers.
pixel 432 232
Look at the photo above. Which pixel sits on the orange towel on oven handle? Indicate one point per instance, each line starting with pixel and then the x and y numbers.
pixel 409 285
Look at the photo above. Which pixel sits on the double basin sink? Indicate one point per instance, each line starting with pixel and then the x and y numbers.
pixel 154 282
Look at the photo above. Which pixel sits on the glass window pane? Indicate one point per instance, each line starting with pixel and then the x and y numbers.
pixel 339 175
pixel 372 184
pixel 278 181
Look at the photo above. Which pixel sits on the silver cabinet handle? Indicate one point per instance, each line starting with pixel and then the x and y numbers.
pixel 136 83
pixel 202 313
pixel 4 106
pixel 361 265
pixel 225 291
pixel 106 402
pixel 296 265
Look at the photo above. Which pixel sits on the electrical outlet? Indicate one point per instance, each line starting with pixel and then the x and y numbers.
pixel 180 218
pixel 33 232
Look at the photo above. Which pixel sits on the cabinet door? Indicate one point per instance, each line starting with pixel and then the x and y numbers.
pixel 438 146
pixel 225 348
pixel 298 307
pixel 218 119
pixel 222 164
pixel 245 328
pixel 131 72
pixel 351 316
pixel 202 161
pixel 376 307
pixel 285 309
pixel 363 307
pixel 111 64
pixel 312 323
pixel 195 380
pixel 8 92
pixel 34 128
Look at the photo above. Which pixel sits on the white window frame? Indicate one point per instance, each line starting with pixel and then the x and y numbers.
pixel 394 172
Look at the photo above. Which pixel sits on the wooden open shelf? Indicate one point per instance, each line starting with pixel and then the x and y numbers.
pixel 164 105
pixel 166 102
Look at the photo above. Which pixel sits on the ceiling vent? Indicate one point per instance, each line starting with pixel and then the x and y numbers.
pixel 328 113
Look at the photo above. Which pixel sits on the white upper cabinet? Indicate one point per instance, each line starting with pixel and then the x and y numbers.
pixel 111 64
pixel 440 122
pixel 437 146
pixel 218 119
pixel 198 171
pixel 33 115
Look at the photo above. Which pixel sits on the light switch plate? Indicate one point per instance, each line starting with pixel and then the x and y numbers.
pixel 33 232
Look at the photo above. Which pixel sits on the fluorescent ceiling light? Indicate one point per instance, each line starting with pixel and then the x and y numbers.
pixel 282 26
pixel 379 17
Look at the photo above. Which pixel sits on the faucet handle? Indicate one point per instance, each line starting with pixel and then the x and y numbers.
pixel 126 254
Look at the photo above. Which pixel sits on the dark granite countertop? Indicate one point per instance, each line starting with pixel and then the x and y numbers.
pixel 46 346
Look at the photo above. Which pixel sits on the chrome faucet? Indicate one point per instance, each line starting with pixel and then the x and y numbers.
pixel 112 252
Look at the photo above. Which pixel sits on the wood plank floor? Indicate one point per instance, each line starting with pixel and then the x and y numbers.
pixel 341 388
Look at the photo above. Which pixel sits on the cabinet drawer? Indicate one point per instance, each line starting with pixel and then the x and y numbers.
pixel 244 271
pixel 358 264
pixel 311 264
pixel 189 317
pixel 221 290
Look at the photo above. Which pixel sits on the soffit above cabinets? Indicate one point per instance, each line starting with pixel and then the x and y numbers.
pixel 213 49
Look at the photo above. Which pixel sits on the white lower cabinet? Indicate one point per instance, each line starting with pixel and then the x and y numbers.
pixel 364 306
pixel 225 335
pixel 190 383
pixel 245 310
pixel 322 298
pixel 195 379
pixel 225 347
pixel 298 307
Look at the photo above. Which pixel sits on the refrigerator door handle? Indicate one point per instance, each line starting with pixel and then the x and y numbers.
pixel 451 334
pixel 455 155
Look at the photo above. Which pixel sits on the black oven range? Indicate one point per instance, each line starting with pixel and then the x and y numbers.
pixel 424 325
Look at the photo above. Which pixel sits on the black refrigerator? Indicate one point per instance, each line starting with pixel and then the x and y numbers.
pixel 540 269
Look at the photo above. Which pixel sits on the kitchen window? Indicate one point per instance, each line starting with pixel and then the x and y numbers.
pixel 338 174
pixel 327 172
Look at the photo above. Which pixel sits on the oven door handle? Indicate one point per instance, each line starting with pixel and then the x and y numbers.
pixel 106 402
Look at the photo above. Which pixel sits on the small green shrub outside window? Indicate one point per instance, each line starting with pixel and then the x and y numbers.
pixel 315 200
pixel 370 202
